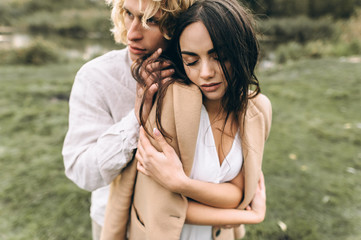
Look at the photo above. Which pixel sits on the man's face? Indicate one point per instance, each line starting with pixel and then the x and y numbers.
pixel 141 40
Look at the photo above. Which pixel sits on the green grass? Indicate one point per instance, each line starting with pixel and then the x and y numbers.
pixel 37 201
pixel 312 161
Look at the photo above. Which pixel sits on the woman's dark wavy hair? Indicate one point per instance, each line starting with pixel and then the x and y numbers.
pixel 231 29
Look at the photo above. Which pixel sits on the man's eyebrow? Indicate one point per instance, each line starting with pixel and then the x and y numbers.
pixel 127 10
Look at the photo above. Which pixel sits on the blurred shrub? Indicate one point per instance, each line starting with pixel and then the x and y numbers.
pixel 294 51
pixel 311 8
pixel 350 30
pixel 335 8
pixel 299 29
pixel 70 23
pixel 77 23
pixel 345 48
pixel 39 52
pixel 43 15
pixel 289 51
pixel 4 14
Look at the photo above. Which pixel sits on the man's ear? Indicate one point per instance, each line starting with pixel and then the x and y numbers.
pixel 166 35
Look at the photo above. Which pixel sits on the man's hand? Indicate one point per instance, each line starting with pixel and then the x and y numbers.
pixel 150 72
pixel 164 167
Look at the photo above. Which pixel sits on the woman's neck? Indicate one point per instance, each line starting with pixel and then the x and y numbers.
pixel 214 108
pixel 224 129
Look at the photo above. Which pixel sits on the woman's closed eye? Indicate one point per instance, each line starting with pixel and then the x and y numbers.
pixel 190 60
pixel 190 63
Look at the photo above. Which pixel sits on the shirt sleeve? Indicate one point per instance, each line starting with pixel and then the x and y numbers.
pixel 96 148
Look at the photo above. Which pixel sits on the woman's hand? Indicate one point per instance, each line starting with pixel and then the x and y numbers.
pixel 258 204
pixel 164 167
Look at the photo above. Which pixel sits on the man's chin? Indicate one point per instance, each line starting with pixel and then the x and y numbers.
pixel 134 57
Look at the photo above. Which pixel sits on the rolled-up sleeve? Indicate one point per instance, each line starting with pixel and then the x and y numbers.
pixel 115 148
pixel 97 147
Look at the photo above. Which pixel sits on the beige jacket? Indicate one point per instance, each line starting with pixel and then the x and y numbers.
pixel 145 209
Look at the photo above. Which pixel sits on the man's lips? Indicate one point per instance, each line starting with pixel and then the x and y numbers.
pixel 210 87
pixel 136 50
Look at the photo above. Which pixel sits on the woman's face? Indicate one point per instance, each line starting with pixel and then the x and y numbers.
pixel 201 63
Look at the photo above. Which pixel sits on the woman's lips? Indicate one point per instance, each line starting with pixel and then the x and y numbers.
pixel 210 87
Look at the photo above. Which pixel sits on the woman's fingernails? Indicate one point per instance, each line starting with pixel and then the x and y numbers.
pixel 156 132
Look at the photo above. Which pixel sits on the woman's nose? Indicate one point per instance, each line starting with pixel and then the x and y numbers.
pixel 207 70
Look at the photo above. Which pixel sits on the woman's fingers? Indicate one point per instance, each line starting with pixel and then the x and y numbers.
pixel 141 169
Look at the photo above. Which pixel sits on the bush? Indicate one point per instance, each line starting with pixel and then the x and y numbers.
pixel 294 51
pixel 39 52
pixel 300 29
pixel 80 23
pixel 350 30
pixel 289 51
pixel 311 8
pixel 70 23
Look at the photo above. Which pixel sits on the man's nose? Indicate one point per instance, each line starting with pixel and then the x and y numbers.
pixel 135 31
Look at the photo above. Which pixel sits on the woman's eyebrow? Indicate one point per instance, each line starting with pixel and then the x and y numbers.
pixel 193 54
pixel 188 53
pixel 211 51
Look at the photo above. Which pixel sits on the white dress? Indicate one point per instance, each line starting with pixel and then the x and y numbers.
pixel 206 167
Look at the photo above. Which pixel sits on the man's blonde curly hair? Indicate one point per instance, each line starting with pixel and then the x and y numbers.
pixel 170 9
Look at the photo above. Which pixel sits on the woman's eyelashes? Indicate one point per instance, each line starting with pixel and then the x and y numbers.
pixel 187 63
pixel 192 62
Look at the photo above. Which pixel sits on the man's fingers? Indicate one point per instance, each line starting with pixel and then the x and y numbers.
pixel 166 73
pixel 156 54
pixel 153 69
pixel 150 93
pixel 157 66
pixel 140 91
pixel 151 76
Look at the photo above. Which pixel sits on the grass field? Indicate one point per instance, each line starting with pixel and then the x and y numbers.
pixel 312 162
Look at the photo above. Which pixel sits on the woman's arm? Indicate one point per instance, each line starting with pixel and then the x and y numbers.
pixel 166 168
pixel 201 214
pixel 219 195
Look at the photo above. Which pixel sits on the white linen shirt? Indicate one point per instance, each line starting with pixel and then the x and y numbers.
pixel 103 129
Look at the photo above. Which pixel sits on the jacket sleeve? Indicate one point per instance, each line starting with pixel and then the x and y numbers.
pixel 257 127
